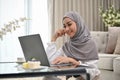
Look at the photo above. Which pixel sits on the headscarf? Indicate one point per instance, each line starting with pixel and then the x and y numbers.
pixel 80 46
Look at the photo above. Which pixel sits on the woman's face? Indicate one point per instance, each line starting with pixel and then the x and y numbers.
pixel 70 27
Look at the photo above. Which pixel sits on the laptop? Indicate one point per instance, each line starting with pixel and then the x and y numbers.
pixel 32 47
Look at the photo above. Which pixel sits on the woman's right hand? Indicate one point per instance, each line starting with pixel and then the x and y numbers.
pixel 58 33
pixel 63 59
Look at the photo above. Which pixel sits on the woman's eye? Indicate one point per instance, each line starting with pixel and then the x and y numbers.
pixel 64 26
pixel 69 24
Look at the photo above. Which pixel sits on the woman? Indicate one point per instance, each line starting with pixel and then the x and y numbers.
pixel 79 50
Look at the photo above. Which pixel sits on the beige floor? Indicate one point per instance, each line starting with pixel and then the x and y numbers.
pixel 31 78
pixel 109 75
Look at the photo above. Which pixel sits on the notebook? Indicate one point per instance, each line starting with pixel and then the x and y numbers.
pixel 32 47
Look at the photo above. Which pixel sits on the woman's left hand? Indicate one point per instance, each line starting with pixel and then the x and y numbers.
pixel 62 59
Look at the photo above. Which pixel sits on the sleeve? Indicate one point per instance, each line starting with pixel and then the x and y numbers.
pixel 52 51
pixel 90 63
pixel 82 63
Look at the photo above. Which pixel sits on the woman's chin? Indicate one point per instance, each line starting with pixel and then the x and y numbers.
pixel 70 35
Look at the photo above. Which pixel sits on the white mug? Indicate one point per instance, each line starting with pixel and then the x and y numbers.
pixel 20 59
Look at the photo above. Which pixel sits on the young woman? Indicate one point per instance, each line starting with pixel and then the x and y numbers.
pixel 79 50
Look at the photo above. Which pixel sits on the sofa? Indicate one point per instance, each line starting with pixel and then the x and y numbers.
pixel 106 61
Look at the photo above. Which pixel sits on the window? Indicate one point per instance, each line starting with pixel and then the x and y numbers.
pixel 10 10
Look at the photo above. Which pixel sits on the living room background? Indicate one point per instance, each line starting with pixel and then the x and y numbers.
pixel 46 16
pixel 88 9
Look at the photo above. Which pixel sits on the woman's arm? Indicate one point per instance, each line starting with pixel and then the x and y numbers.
pixel 52 51
pixel 57 56
pixel 57 34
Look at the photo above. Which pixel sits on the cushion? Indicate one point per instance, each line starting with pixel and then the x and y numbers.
pixel 117 48
pixel 100 38
pixel 112 39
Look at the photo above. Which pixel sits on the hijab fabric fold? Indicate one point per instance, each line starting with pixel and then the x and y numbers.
pixel 80 46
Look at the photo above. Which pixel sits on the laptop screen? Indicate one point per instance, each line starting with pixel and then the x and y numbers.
pixel 32 47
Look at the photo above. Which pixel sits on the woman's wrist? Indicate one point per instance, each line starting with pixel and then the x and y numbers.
pixel 54 38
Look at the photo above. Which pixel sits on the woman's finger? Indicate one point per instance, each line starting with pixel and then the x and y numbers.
pixel 57 60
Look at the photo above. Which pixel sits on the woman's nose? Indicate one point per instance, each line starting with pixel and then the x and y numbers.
pixel 67 28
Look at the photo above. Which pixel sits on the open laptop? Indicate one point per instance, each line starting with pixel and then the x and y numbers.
pixel 32 47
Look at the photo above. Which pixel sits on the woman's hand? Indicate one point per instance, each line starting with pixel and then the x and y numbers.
pixel 58 33
pixel 62 59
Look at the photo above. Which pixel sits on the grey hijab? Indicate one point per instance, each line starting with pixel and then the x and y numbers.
pixel 80 46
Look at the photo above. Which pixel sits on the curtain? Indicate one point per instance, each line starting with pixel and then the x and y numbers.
pixel 39 20
pixel 88 9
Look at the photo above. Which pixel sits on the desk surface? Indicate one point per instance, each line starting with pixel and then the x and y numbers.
pixel 12 70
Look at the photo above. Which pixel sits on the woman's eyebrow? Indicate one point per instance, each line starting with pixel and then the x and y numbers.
pixel 67 22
